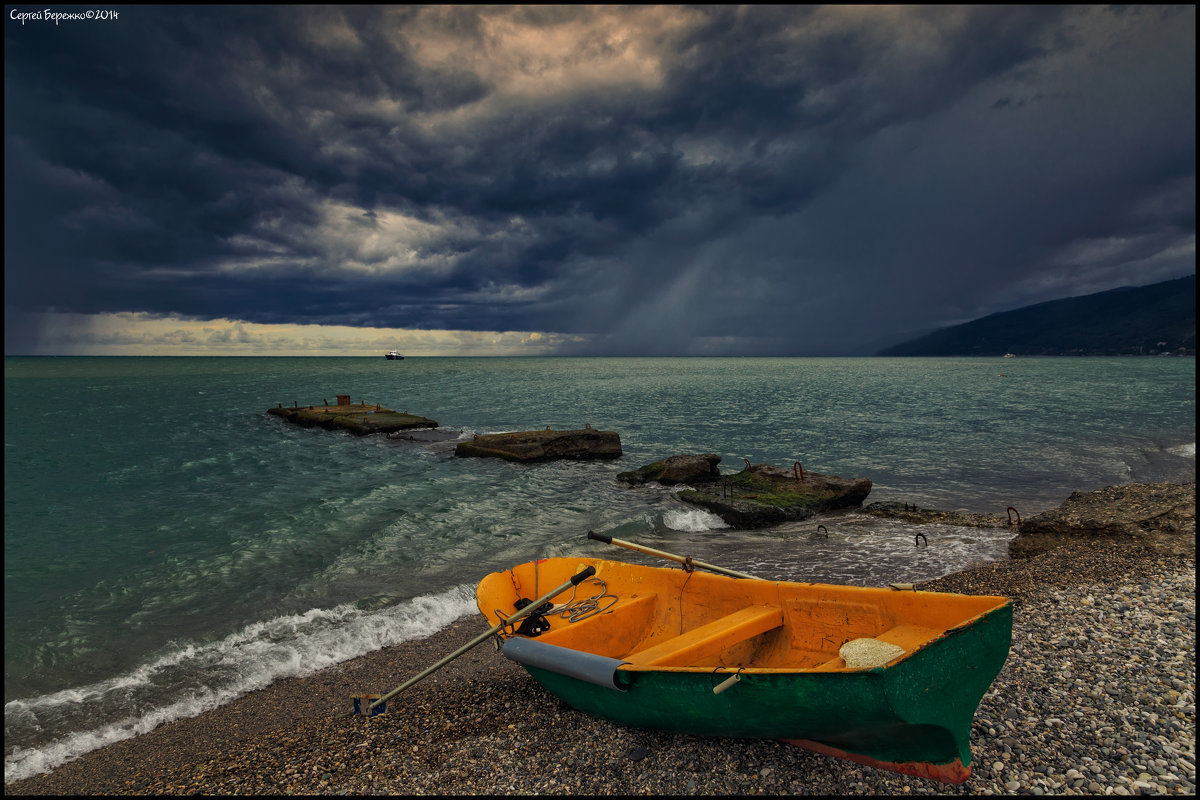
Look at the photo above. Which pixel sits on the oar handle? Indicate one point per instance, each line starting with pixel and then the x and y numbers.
pixel 685 560
pixel 575 580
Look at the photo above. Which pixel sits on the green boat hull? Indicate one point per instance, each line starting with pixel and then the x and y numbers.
pixel 912 717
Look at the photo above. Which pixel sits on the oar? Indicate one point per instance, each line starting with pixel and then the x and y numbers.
pixel 685 560
pixel 577 579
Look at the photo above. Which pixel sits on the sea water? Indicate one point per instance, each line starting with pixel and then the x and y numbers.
pixel 170 546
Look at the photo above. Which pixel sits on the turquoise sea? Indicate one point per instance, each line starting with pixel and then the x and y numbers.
pixel 169 545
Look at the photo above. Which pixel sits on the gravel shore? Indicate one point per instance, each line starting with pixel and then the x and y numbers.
pixel 1097 697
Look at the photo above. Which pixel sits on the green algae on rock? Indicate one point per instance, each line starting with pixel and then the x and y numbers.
pixel 688 469
pixel 762 495
pixel 756 497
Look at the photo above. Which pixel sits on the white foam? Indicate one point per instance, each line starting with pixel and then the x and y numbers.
pixel 1185 450
pixel 290 646
pixel 693 520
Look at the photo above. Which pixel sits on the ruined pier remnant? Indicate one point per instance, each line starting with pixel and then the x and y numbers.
pixel 544 445
pixel 687 468
pixel 758 496
pixel 360 419
pixel 762 495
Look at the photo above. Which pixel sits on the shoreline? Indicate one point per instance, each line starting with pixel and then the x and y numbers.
pixel 482 725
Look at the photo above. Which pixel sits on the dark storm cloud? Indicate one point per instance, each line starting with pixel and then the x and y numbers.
pixel 776 180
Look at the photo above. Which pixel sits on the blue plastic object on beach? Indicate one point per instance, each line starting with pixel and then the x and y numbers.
pixel 362 705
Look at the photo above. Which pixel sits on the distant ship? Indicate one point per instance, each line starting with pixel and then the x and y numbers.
pixel 394 356
pixel 1006 355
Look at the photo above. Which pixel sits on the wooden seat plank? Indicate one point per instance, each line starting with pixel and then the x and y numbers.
pixel 710 639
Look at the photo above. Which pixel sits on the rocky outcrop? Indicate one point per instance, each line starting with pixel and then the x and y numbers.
pixel 674 470
pixel 545 445
pixel 360 419
pixel 1155 516
pixel 762 495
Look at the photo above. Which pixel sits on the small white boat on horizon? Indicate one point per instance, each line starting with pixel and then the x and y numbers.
pixel 394 356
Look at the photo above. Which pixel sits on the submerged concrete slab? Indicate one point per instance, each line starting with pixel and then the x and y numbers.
pixel 360 419
pixel 544 445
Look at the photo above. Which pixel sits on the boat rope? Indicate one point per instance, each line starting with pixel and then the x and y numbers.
pixel 575 610
pixel 679 602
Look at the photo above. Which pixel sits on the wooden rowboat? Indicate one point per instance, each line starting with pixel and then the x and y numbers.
pixel 883 677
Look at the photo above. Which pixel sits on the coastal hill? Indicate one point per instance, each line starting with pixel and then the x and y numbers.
pixel 1158 319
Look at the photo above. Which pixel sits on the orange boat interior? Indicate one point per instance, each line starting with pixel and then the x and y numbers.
pixel 668 618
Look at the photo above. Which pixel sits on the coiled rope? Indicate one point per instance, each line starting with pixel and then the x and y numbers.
pixel 575 610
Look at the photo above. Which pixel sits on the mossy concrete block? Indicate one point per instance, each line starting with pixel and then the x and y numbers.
pixel 743 512
pixel 673 470
pixel 762 495
pixel 360 419
pixel 544 445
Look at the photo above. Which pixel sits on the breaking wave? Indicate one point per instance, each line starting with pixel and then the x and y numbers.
pixel 693 520
pixel 72 722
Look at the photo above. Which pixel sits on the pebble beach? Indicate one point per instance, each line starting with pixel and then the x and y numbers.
pixel 1097 697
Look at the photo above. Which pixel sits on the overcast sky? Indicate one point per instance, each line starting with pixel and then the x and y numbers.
pixel 616 180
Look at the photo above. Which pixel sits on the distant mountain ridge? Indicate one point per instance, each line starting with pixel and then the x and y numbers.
pixel 1143 320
